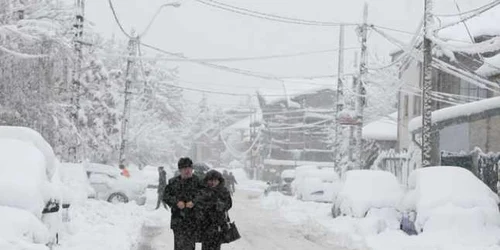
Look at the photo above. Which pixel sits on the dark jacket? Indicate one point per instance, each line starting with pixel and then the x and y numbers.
pixel 182 190
pixel 232 179
pixel 213 204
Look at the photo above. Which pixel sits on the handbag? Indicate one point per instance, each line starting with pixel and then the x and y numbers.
pixel 230 232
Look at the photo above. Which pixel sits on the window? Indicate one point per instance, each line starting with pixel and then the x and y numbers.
pixel 417 105
pixel 468 89
pixel 405 105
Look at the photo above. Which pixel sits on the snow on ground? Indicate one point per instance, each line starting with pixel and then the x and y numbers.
pixel 99 225
pixel 370 233
pixel 245 183
pixel 261 229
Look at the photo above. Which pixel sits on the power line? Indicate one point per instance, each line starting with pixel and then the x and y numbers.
pixel 474 14
pixel 267 16
pixel 216 66
pixel 248 87
pixel 260 75
pixel 215 92
pixel 238 59
pixel 467 12
pixel 117 20
pixel 392 29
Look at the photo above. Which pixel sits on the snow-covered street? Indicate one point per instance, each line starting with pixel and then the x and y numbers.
pixel 260 228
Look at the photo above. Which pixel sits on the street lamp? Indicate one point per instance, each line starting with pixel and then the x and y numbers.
pixel 173 4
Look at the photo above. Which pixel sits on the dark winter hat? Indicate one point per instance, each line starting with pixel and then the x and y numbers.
pixel 185 162
pixel 214 175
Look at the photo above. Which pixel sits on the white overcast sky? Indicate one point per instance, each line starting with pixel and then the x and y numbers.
pixel 199 31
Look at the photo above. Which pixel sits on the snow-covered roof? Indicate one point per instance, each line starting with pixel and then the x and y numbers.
pixel 457 111
pixel 244 123
pixel 484 24
pixel 275 162
pixel 458 39
pixel 293 89
pixel 385 129
pixel 491 66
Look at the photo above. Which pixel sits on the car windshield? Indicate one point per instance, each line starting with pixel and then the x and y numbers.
pixel 250 124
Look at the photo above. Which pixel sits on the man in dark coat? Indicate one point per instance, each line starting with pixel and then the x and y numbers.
pixel 232 182
pixel 179 196
pixel 162 183
pixel 213 202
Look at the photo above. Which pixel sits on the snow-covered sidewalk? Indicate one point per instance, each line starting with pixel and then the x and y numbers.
pixel 99 225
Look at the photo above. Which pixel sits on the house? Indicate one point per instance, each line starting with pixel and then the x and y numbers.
pixel 456 78
pixel 462 133
pixel 207 146
pixel 379 136
pixel 297 128
pixel 383 131
pixel 465 83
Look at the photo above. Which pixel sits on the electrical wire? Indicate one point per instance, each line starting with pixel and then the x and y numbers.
pixel 217 92
pixel 392 29
pixel 446 67
pixel 467 12
pixel 117 20
pixel 235 59
pixel 259 75
pixel 267 16
pixel 463 19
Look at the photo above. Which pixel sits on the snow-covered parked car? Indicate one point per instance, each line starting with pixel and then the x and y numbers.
pixel 370 193
pixel 31 192
pixel 111 186
pixel 287 177
pixel 301 173
pixel 450 198
pixel 74 176
pixel 316 184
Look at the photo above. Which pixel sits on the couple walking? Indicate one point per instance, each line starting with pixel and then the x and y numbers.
pixel 199 207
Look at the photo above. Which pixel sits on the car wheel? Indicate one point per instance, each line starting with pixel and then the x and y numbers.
pixel 118 198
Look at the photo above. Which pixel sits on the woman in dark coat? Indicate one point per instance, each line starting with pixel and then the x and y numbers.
pixel 213 202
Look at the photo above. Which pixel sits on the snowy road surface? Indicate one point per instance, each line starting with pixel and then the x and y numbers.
pixel 260 229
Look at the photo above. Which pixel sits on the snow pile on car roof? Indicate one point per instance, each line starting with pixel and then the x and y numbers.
pixel 31 136
pixel 22 168
pixel 365 189
pixel 455 190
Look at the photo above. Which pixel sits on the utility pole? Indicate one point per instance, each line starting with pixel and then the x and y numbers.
pixel 340 97
pixel 76 84
pixel 352 140
pixel 427 88
pixel 129 78
pixel 360 90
